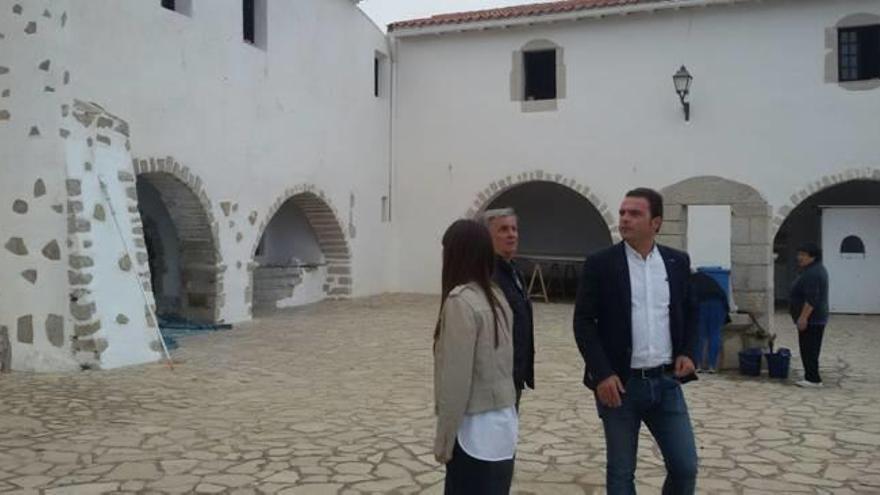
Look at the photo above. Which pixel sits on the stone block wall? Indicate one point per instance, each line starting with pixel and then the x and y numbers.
pixel 191 211
pixel 751 244
pixel 274 283
pixel 327 226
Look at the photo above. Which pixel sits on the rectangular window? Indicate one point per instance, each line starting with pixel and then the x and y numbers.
pixel 249 26
pixel 376 77
pixel 859 53
pixel 386 209
pixel 540 75
pixel 381 64
pixel 180 6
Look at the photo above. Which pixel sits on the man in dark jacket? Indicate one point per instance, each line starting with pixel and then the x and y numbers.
pixel 635 327
pixel 809 310
pixel 502 224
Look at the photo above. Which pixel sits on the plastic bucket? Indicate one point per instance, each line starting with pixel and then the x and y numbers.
pixel 750 362
pixel 778 363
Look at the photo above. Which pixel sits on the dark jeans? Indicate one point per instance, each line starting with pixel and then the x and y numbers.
pixel 712 317
pixel 660 404
pixel 810 342
pixel 466 475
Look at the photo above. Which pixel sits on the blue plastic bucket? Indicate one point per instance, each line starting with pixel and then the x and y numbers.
pixel 778 363
pixel 750 362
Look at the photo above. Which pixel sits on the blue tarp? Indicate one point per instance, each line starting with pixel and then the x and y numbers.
pixel 173 327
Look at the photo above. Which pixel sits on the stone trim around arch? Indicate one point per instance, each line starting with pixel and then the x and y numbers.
pixel 819 185
pixel 326 223
pixel 196 227
pixel 751 247
pixel 485 197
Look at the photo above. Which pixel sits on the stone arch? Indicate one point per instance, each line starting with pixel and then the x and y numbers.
pixel 191 212
pixel 555 243
pixel 750 250
pixel 487 195
pixel 329 234
pixel 819 185
pixel 799 220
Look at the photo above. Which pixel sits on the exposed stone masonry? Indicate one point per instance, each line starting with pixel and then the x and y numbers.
pixel 325 222
pixel 486 196
pixel 751 244
pixel 202 270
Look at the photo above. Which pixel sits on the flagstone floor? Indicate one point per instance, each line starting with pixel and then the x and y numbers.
pixel 336 398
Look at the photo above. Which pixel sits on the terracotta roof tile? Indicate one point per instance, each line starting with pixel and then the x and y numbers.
pixel 533 9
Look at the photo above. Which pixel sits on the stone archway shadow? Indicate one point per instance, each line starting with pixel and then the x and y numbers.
pixel 324 221
pixel 487 195
pixel 191 212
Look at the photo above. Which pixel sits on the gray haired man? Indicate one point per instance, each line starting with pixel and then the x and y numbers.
pixel 503 226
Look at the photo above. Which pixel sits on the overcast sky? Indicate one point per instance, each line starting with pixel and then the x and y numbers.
pixel 386 11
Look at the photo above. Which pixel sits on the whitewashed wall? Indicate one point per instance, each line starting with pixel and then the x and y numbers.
pixel 249 122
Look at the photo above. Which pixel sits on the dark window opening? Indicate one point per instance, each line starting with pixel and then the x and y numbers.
pixel 540 75
pixel 183 7
pixel 852 245
pixel 859 53
pixel 376 76
pixel 249 21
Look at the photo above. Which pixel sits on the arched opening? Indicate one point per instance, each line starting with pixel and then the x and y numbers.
pixel 844 220
pixel 302 255
pixel 692 222
pixel 558 228
pixel 180 244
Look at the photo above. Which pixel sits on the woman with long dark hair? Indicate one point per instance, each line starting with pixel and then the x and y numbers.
pixel 477 424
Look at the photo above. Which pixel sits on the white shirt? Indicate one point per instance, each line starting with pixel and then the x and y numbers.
pixel 491 435
pixel 649 286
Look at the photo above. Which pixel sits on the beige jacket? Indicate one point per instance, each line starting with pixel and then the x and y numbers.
pixel 471 375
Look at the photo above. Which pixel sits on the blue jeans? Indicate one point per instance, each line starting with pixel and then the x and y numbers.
pixel 658 402
pixel 711 320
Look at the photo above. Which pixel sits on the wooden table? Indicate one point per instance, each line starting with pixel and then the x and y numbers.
pixel 560 262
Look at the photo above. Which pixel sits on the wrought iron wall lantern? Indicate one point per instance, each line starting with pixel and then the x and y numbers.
pixel 682 80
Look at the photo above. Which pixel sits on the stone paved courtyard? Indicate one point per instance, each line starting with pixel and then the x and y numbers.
pixel 336 398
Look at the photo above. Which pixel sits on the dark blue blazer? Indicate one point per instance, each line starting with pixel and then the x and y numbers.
pixel 603 313
pixel 506 275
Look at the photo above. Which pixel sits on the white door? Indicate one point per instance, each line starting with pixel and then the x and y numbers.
pixel 851 251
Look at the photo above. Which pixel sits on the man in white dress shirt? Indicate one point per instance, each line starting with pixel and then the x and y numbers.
pixel 636 329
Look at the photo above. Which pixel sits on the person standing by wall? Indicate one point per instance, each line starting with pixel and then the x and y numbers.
pixel 809 310
pixel 714 308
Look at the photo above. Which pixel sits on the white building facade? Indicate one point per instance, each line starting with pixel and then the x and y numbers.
pixel 230 111
pixel 772 128
pixel 202 160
